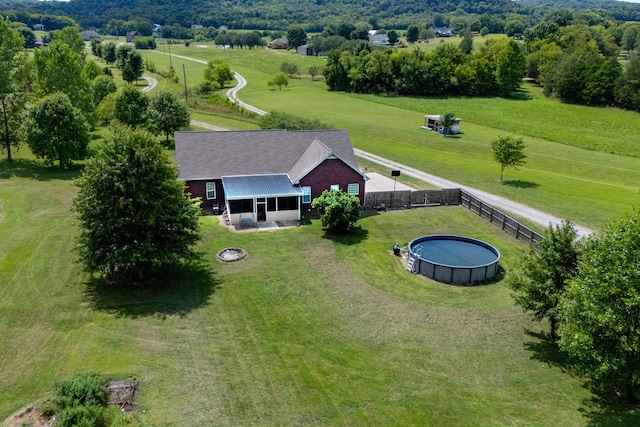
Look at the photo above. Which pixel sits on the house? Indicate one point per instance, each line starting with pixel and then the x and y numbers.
pixel 131 35
pixel 266 175
pixel 432 123
pixel 156 28
pixel 38 27
pixel 443 32
pixel 279 43
pixel 90 35
pixel 379 39
pixel 305 50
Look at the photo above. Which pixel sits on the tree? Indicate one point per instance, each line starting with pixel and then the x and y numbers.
pixel 338 210
pixel 218 72
pixel 600 309
pixel 133 68
pixel 289 68
pixel 393 37
pixel 109 53
pixel 133 214
pixel 508 151
pixel 101 87
pixel 71 36
pixel 91 70
pixel 413 32
pixel 11 102
pixel 446 122
pixel 466 44
pixel 56 130
pixel 313 72
pixel 131 107
pixel 296 36
pixel 279 79
pixel 167 114
pixel 59 69
pixel 544 273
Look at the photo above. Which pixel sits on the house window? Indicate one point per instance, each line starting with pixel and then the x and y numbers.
pixel 271 204
pixel 306 194
pixel 211 190
pixel 335 187
pixel 287 203
pixel 353 189
pixel 241 206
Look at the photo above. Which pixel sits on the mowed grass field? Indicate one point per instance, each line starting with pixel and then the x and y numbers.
pixel 582 164
pixel 307 330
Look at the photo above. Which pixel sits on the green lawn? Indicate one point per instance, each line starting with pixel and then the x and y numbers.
pixel 306 330
pixel 583 163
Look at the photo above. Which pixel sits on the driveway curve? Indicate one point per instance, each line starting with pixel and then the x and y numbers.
pixel 152 82
pixel 533 215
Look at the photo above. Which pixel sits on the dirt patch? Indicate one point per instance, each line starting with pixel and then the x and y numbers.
pixel 121 393
pixel 29 416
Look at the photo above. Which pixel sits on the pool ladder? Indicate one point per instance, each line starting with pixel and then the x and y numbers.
pixel 412 258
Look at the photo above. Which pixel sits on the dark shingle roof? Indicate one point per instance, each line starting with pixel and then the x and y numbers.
pixel 212 155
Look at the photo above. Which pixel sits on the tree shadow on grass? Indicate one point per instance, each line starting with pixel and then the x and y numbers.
pixel 519 95
pixel 611 411
pixel 544 349
pixel 34 169
pixel 521 184
pixel 180 290
pixel 355 236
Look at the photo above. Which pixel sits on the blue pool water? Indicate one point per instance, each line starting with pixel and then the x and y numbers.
pixel 454 259
pixel 455 253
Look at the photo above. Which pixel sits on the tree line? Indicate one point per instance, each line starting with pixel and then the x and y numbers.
pixel 313 15
pixel 496 68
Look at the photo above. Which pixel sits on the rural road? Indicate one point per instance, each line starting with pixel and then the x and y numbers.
pixel 534 215
pixel 152 83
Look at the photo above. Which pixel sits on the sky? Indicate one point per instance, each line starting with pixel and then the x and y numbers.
pixel 631 1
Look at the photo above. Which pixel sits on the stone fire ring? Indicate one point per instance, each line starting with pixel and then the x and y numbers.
pixel 231 254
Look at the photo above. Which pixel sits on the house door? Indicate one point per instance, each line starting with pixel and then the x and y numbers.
pixel 261 210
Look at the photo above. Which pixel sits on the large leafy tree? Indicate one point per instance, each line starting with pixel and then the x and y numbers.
pixel 544 273
pixel 167 114
pixel 217 72
pixel 59 69
pixel 11 101
pixel 338 210
pixel 131 107
pixel 133 214
pixel 296 36
pixel 71 36
pixel 56 130
pixel 600 309
pixel 508 151
pixel 278 80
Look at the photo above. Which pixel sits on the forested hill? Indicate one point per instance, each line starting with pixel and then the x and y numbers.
pixel 312 14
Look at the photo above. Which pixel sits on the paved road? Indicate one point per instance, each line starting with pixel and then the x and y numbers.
pixel 152 83
pixel 534 215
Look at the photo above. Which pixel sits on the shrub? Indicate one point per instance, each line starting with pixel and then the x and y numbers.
pixel 82 416
pixel 281 120
pixel 338 210
pixel 82 389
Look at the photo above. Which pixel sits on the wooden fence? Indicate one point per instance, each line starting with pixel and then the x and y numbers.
pixel 384 200
pixel 502 220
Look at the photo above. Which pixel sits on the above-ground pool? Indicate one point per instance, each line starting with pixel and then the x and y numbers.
pixel 453 259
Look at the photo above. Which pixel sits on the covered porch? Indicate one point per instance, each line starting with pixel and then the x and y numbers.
pixel 254 199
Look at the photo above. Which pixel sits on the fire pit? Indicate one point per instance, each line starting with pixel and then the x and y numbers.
pixel 231 254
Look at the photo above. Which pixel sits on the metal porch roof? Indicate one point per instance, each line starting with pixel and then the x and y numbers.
pixel 250 186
